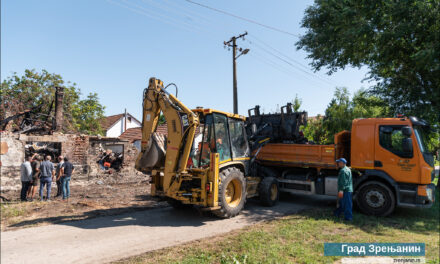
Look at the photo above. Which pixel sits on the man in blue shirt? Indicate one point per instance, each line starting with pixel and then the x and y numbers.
pixel 66 170
pixel 345 191
pixel 47 174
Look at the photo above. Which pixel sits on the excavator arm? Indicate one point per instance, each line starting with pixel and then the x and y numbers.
pixel 181 124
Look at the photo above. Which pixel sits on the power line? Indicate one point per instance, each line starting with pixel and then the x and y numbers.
pixel 288 71
pixel 289 63
pixel 279 52
pixel 185 9
pixel 291 59
pixel 158 14
pixel 147 14
pixel 244 19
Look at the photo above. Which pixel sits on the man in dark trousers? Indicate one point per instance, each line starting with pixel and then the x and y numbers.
pixel 66 170
pixel 47 175
pixel 26 178
pixel 345 191
pixel 58 176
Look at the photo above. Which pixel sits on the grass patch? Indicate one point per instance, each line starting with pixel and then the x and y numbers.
pixel 12 210
pixel 300 238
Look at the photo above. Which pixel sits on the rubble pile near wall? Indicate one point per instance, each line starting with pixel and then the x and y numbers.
pixel 83 150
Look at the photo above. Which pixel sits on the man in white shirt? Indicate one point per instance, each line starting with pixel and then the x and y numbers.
pixel 26 177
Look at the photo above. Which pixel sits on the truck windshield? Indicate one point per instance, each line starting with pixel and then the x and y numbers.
pixel 422 137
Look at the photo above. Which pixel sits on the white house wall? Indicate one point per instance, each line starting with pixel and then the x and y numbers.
pixel 118 128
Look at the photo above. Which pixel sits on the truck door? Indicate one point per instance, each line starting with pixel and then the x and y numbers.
pixel 391 155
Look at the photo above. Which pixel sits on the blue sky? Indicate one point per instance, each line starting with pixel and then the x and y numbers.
pixel 112 47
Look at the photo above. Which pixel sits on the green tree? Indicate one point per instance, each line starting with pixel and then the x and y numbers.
pixel 87 114
pixel 296 103
pixel 340 113
pixel 399 41
pixel 38 88
pixel 314 131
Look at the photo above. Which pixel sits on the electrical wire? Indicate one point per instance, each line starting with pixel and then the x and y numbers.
pixel 289 63
pixel 289 72
pixel 188 11
pixel 291 59
pixel 243 18
pixel 157 14
pixel 146 14
pixel 166 8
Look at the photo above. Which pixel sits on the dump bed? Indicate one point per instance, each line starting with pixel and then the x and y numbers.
pixel 297 155
pixel 305 155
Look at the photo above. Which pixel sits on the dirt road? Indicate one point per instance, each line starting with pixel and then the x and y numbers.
pixel 111 238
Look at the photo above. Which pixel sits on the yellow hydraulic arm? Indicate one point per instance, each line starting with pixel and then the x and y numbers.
pixel 181 124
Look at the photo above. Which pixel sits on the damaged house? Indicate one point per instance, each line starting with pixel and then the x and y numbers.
pixel 41 133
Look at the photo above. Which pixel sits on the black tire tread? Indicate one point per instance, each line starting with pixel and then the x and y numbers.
pixel 364 209
pixel 264 191
pixel 225 211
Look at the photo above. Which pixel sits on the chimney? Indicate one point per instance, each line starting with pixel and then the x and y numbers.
pixel 125 120
pixel 59 116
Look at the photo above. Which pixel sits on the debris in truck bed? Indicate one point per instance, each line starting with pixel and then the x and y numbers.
pixel 280 127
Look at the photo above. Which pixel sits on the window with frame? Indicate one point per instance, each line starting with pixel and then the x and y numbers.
pixel 207 146
pixel 391 138
pixel 223 147
pixel 240 147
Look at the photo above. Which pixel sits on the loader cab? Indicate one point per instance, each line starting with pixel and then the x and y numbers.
pixel 221 133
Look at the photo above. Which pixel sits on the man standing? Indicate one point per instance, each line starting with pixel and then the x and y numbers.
pixel 345 191
pixel 26 177
pixel 58 176
pixel 47 174
pixel 66 170
pixel 35 176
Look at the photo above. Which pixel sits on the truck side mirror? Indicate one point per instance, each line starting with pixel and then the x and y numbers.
pixel 407 145
pixel 406 131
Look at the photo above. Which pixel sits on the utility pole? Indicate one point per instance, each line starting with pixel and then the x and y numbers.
pixel 233 44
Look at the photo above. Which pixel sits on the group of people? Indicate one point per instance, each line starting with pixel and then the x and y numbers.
pixel 36 171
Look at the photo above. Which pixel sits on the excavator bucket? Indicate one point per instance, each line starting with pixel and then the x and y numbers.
pixel 154 155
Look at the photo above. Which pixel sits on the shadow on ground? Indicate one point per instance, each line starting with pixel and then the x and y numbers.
pixel 317 207
pixel 423 221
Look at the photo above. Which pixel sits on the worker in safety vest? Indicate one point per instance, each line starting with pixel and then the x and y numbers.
pixel 345 191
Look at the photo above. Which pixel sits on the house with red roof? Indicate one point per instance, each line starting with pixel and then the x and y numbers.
pixel 116 125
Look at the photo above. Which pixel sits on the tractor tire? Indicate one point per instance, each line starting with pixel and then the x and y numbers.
pixel 231 193
pixel 269 191
pixel 375 198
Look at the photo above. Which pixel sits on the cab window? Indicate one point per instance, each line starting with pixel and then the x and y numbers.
pixel 207 145
pixel 222 137
pixel 239 143
pixel 391 138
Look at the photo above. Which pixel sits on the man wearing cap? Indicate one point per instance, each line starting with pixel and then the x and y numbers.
pixel 345 191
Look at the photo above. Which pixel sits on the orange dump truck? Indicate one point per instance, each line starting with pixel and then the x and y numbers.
pixel 390 163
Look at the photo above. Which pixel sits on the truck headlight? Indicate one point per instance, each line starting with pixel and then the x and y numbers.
pixel 429 193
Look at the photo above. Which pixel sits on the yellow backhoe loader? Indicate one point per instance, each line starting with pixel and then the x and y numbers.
pixel 205 159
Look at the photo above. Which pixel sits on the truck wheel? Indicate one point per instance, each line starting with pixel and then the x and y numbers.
pixel 375 198
pixel 269 191
pixel 231 193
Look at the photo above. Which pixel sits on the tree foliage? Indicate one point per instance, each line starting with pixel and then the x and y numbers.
pixel 399 41
pixel 34 88
pixel 296 103
pixel 340 113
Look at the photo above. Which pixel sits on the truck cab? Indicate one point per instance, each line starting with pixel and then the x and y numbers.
pixel 393 153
